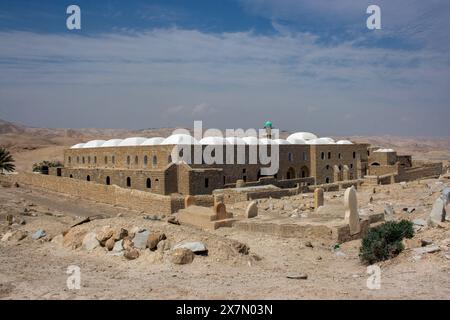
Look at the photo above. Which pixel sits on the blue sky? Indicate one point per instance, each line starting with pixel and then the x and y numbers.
pixel 305 65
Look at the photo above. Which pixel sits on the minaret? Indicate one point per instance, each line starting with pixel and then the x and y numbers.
pixel 268 127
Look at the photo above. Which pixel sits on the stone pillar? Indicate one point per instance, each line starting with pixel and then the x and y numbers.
pixel 318 198
pixel 189 201
pixel 345 173
pixel 358 167
pixel 351 210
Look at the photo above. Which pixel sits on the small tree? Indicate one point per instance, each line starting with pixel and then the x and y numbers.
pixel 44 165
pixel 6 161
pixel 385 241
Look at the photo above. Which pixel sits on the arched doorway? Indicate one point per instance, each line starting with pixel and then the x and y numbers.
pixel 149 183
pixel 108 181
pixel 88 178
pixel 290 173
pixel 304 172
pixel 128 182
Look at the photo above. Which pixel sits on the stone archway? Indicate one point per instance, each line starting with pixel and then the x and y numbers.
pixel 304 172
pixel 290 174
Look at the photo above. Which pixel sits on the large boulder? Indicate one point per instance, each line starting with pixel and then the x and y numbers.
pixel 109 244
pixel 105 235
pixel 73 238
pixel 131 254
pixel 90 241
pixel 182 256
pixel 140 239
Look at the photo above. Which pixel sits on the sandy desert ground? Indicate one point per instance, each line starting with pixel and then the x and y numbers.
pixel 36 269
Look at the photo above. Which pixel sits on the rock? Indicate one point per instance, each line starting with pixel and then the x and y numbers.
pixel 73 238
pixel 411 243
pixel 173 220
pixel 182 256
pixel 195 247
pixel 7 236
pixel 409 209
pixel 425 242
pixel 163 245
pixel 119 215
pixel 90 242
pixel 153 239
pixel 419 222
pixel 318 198
pixel 300 276
pixel 127 244
pixel 110 243
pixel 120 234
pixel 118 246
pixel 340 254
pixel 140 239
pixel 427 249
pixel 438 213
pixel 58 239
pixel 131 254
pixel 104 235
pixel 252 210
pixel 389 210
pixel 38 234
pixel 309 244
pixel 19 235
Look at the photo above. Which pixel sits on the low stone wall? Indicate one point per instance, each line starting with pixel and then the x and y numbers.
pixel 336 186
pixel 429 170
pixel 128 198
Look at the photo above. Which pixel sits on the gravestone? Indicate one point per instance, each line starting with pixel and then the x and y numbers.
pixel 438 212
pixel 351 210
pixel 252 210
pixel 189 201
pixel 220 211
pixel 318 198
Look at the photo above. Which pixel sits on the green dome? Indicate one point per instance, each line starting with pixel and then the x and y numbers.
pixel 268 124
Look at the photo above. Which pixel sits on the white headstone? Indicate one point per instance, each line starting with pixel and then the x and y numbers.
pixel 252 210
pixel 351 210
pixel 438 213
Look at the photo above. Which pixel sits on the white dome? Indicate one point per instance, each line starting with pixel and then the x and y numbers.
pixel 235 140
pixel 321 141
pixel 94 144
pixel 265 141
pixel 294 140
pixel 130 142
pixel 152 141
pixel 385 150
pixel 180 139
pixel 112 143
pixel 303 136
pixel 280 141
pixel 77 146
pixel 250 140
pixel 344 142
pixel 213 141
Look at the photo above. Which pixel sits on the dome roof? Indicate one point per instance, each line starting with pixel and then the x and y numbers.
pixel 77 146
pixel 180 139
pixel 94 144
pixel 280 141
pixel 134 141
pixel 152 141
pixel 295 140
pixel 265 141
pixel 250 140
pixel 111 143
pixel 235 140
pixel 321 141
pixel 213 141
pixel 303 136
pixel 344 142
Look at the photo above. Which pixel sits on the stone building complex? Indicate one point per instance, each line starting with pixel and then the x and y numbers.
pixel 304 159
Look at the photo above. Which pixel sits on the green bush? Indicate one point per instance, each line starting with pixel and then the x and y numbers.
pixel 385 241
pixel 44 165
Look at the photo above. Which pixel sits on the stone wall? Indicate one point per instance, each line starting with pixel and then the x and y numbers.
pixel 110 194
pixel 429 170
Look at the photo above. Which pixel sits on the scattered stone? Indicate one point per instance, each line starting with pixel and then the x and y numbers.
pixel 90 241
pixel 301 276
pixel 318 258
pixel 252 210
pixel 7 236
pixel 182 256
pixel 340 254
pixel 19 235
pixel 120 234
pixel 140 239
pixel 73 238
pixel 163 245
pixel 38 234
pixel 127 244
pixel 411 243
pixel 104 235
pixel 309 244
pixel 351 210
pixel 58 239
pixel 419 222
pixel 195 247
pixel 409 209
pixel 153 217
pixel 118 246
pixel 173 220
pixel 427 249
pixel 153 239
pixel 389 210
pixel 426 242
pixel 110 244
pixel 131 254
pixel 119 215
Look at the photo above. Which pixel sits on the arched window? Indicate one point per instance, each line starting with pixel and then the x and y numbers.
pixel 83 160
pixel 113 159
pixel 327 180
pixel 136 160
pixel 71 176
pixel 340 156
pixel 78 159
pixel 128 160
pixel 70 159
pixel 95 159
pixel 206 182
pixel 327 167
pixel 305 156
pixel 106 159
pixel 290 157
pixel 169 159
pixel 149 183
pixel 155 160
pixel 329 155
pixel 128 182
pixel 88 178
pixel 354 155
pixel 145 160
pixel 89 159
pixel 108 181
pixel 322 155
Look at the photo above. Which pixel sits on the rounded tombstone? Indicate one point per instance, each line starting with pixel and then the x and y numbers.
pixel 220 211
pixel 252 210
